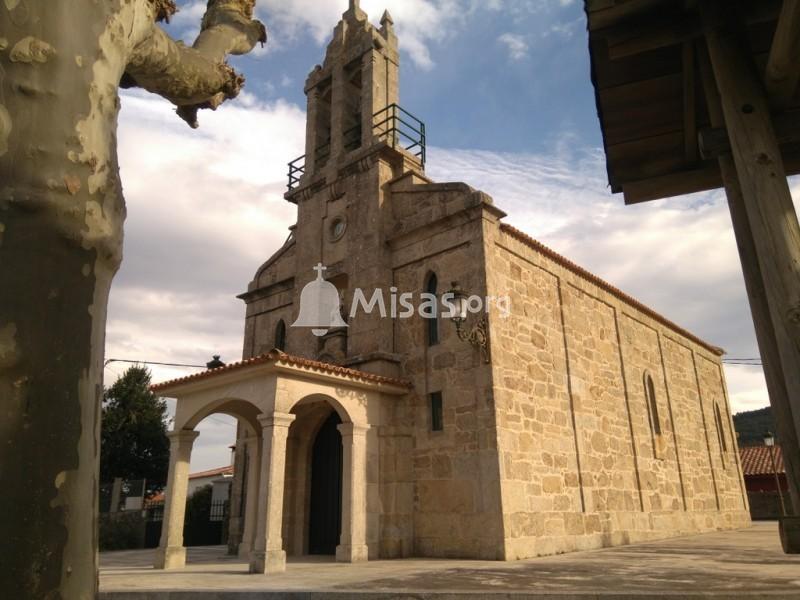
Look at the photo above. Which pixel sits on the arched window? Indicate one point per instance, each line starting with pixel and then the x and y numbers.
pixel 652 403
pixel 432 323
pixel 723 442
pixel 280 335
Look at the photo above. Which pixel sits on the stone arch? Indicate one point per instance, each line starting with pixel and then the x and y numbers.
pixel 245 412
pixel 311 414
pixel 337 405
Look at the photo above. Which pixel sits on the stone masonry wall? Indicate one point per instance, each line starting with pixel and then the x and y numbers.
pixel 456 503
pixel 582 465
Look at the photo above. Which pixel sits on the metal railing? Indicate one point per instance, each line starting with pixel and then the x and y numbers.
pixel 297 168
pixel 398 127
pixel 394 125
pixel 352 138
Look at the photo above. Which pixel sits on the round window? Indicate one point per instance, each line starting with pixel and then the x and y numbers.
pixel 338 227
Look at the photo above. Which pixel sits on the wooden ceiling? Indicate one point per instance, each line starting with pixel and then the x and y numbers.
pixel 648 64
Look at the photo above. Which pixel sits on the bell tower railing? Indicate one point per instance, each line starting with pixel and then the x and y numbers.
pixel 394 125
pixel 398 127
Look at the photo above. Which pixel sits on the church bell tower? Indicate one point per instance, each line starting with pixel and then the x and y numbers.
pixel 358 139
pixel 358 79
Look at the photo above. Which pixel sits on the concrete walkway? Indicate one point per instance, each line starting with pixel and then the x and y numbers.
pixel 747 563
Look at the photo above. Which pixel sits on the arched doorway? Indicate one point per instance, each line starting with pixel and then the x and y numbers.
pixel 325 519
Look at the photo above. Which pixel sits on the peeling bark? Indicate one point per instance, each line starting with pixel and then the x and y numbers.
pixel 61 218
pixel 198 77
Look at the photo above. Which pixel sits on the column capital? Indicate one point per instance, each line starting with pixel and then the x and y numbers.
pixel 349 429
pixel 182 436
pixel 276 419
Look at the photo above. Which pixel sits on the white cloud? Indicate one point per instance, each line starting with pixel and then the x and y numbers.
pixel 515 44
pixel 186 21
pixel 419 23
pixel 205 209
pixel 746 387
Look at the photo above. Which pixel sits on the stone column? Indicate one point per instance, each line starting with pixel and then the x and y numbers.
pixel 370 104
pixel 338 103
pixel 312 135
pixel 171 554
pixel 251 493
pixel 268 555
pixel 353 543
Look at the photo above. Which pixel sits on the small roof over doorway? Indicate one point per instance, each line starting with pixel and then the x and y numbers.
pixel 276 382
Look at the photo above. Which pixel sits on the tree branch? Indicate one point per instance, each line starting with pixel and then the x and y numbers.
pixel 197 77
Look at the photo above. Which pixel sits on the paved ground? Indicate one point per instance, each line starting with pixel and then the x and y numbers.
pixel 747 563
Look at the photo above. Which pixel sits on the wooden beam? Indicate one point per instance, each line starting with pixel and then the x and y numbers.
pixel 770 210
pixel 627 41
pixel 783 67
pixel 715 142
pixel 674 184
pixel 689 104
pixel 603 13
pixel 759 305
pixel 652 31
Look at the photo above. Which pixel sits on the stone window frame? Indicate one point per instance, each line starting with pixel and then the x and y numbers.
pixel 651 401
pixel 280 335
pixel 436 406
pixel 432 326
pixel 334 236
pixel 721 437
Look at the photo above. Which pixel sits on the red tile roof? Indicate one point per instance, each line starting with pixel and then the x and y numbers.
pixel 583 273
pixel 159 497
pixel 213 472
pixel 276 356
pixel 756 460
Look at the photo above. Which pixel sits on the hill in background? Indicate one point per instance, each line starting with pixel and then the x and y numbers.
pixel 751 425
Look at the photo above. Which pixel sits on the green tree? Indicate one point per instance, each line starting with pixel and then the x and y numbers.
pixel 134 443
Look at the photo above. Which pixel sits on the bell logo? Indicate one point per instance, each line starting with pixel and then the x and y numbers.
pixel 320 306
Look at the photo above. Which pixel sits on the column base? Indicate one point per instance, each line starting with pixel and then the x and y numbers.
pixel 348 553
pixel 272 561
pixel 790 534
pixel 244 550
pixel 171 557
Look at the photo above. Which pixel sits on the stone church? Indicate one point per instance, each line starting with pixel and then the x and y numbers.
pixel 581 419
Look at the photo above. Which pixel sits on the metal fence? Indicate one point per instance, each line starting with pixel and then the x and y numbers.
pixel 203 526
pixel 394 125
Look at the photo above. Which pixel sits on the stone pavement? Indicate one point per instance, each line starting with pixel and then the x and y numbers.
pixel 747 563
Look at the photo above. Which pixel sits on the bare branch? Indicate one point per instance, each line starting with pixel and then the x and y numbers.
pixel 198 77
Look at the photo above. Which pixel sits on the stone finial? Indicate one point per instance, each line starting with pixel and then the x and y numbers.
pixel 386 19
pixel 354 11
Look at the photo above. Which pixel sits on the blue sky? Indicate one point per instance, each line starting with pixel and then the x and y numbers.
pixel 504 88
pixel 507 76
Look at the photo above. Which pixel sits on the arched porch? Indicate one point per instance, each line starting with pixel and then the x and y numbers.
pixel 282 402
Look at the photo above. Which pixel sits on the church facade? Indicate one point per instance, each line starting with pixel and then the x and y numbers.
pixel 574 418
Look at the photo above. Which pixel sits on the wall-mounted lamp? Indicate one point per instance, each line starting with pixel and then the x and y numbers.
pixel 478 336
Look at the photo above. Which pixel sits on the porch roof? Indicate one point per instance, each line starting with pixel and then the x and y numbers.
pixel 648 64
pixel 275 359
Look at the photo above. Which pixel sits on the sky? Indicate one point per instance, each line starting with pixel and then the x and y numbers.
pixel 504 88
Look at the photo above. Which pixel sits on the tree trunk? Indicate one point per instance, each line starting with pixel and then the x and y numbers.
pixel 61 217
pixel 61 214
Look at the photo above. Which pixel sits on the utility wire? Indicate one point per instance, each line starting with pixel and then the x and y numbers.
pixel 163 364
pixel 755 362
pixel 147 362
